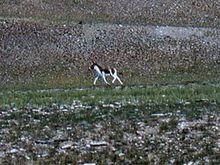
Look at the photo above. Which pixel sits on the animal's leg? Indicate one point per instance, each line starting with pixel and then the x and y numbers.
pixel 114 78
pixel 113 74
pixel 103 76
pixel 119 80
pixel 95 80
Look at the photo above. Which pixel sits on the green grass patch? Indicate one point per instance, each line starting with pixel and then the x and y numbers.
pixel 157 95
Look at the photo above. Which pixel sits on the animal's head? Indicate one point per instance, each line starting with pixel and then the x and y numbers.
pixel 91 67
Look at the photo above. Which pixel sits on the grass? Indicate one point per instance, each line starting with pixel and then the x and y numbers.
pixel 120 115
pixel 46 78
pixel 42 109
pixel 169 87
pixel 158 95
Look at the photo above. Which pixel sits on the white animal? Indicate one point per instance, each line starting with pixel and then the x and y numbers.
pixel 99 72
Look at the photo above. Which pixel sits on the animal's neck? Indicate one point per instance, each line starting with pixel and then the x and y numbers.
pixel 100 68
pixel 97 69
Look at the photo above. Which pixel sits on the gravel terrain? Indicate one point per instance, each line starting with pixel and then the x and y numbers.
pixel 44 38
pixel 155 12
pixel 46 41
pixel 116 133
pixel 29 50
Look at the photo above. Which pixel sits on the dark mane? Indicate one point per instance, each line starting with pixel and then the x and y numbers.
pixel 98 65
pixel 95 64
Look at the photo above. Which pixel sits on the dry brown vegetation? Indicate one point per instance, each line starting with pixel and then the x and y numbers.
pixel 177 13
pixel 32 50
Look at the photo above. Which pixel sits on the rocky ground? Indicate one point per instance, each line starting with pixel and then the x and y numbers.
pixel 30 50
pixel 155 12
pixel 44 40
pixel 116 133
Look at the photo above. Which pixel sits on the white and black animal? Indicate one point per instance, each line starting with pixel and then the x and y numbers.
pixel 99 72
